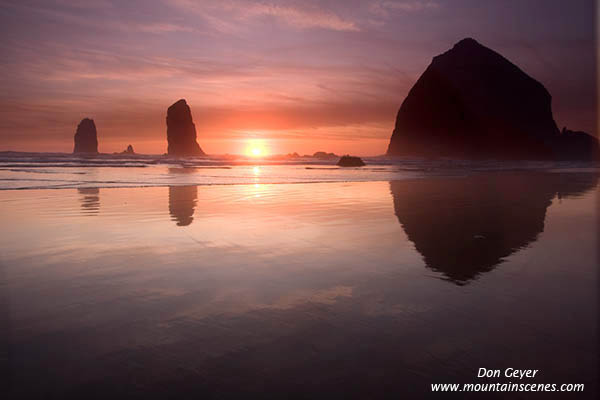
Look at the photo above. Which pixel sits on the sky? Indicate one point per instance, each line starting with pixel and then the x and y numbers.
pixel 295 75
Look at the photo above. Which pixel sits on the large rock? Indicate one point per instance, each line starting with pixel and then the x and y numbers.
pixel 473 103
pixel 86 140
pixel 181 131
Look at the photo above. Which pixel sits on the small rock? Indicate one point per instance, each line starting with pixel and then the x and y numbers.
pixel 350 161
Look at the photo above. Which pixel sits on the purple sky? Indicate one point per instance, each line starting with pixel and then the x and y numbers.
pixel 299 75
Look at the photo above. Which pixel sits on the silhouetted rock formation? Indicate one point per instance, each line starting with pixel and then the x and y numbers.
pixel 466 226
pixel 182 202
pixel 86 140
pixel 321 155
pixel 181 131
pixel 576 145
pixel 90 202
pixel 350 161
pixel 473 103
pixel 129 150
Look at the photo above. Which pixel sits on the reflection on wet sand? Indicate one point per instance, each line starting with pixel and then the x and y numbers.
pixel 182 202
pixel 90 200
pixel 183 170
pixel 294 291
pixel 468 225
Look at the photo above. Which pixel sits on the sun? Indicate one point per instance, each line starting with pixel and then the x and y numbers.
pixel 256 149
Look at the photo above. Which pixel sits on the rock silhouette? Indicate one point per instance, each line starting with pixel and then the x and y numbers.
pixel 322 155
pixel 472 103
pixel 86 140
pixel 181 131
pixel 466 226
pixel 129 150
pixel 576 145
pixel 182 202
pixel 350 161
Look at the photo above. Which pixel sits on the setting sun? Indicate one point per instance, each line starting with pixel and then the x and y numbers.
pixel 256 148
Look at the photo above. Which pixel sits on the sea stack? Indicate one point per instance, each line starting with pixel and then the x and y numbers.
pixel 181 131
pixel 472 103
pixel 86 140
pixel 350 161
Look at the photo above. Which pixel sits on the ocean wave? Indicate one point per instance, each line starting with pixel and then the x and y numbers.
pixel 25 170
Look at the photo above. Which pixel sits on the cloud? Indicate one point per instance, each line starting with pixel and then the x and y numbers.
pixel 301 18
pixel 297 70
pixel 226 15
pixel 162 27
pixel 85 4
pixel 99 16
pixel 383 10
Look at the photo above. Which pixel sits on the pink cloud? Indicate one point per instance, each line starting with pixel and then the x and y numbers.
pixel 221 14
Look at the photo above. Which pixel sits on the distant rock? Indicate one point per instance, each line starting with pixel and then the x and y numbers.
pixel 472 103
pixel 570 145
pixel 288 156
pixel 181 131
pixel 350 161
pixel 321 155
pixel 86 140
pixel 128 150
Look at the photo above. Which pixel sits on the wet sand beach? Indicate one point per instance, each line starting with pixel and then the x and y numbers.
pixel 313 290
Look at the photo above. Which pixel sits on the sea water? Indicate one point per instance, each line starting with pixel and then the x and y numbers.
pixel 374 282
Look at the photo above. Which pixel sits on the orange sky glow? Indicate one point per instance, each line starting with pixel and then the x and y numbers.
pixel 294 76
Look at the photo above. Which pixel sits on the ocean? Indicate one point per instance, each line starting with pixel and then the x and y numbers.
pixel 149 277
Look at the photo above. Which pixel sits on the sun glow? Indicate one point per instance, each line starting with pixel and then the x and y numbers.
pixel 256 149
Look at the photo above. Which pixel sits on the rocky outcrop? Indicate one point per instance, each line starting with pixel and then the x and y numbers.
pixel 129 150
pixel 350 161
pixel 181 131
pixel 86 140
pixel 473 103
pixel 576 145
pixel 322 155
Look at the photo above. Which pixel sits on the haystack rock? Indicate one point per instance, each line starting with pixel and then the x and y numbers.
pixel 129 150
pixel 473 103
pixel 86 140
pixel 181 131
